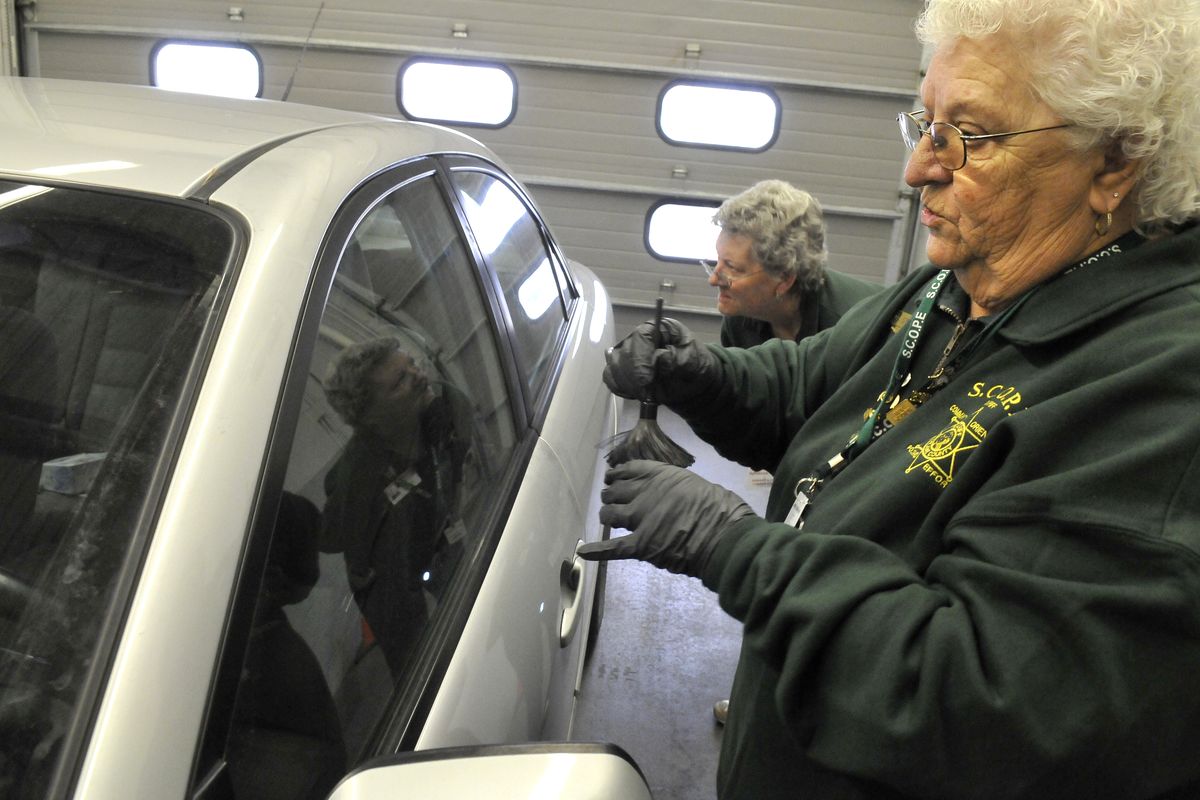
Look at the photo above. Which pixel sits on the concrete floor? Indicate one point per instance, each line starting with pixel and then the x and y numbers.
pixel 666 652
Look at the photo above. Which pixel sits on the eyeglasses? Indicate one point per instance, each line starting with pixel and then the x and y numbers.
pixel 949 143
pixel 725 276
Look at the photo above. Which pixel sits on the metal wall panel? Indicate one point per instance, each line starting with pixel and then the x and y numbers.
pixel 584 137
pixel 600 127
pixel 829 41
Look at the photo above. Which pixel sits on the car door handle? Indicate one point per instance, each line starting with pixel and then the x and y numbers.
pixel 570 590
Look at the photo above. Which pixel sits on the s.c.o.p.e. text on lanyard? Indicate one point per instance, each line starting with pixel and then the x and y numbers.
pixel 877 423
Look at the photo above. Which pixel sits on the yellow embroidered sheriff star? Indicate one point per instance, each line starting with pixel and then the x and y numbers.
pixel 939 455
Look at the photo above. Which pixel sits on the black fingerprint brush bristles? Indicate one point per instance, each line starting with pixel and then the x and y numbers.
pixel 646 439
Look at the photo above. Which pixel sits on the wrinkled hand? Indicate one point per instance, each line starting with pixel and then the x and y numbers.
pixel 636 363
pixel 677 517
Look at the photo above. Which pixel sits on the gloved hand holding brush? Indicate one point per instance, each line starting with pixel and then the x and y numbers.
pixel 677 517
pixel 636 364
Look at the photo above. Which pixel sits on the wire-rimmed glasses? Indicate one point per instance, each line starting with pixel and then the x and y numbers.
pixel 949 143
pixel 725 276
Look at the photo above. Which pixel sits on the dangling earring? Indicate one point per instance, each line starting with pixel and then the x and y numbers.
pixel 1103 223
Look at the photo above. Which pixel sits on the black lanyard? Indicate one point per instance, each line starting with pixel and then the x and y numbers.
pixel 873 428
pixel 877 422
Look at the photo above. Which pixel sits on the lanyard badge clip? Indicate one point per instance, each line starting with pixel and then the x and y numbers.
pixel 807 488
pixel 796 513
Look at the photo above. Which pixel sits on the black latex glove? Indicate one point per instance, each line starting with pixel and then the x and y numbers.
pixel 677 517
pixel 635 364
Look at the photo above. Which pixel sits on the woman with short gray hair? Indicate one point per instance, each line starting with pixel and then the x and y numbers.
pixel 348 385
pixel 393 493
pixel 770 272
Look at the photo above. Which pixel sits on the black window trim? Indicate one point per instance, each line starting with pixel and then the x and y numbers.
pixel 536 406
pixel 428 670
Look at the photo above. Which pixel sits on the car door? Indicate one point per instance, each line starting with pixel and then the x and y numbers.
pixel 537 593
pixel 405 432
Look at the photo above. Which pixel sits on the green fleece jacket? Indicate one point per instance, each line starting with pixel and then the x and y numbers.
pixel 1001 597
pixel 818 311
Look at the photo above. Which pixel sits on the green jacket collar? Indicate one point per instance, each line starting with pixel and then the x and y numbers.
pixel 1072 301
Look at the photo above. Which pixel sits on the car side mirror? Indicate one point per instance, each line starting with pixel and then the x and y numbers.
pixel 575 770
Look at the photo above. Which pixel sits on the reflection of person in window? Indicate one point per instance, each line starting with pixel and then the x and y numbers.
pixel 287 740
pixel 392 495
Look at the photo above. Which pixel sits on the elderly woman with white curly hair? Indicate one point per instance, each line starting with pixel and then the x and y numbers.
pixel 770 271
pixel 979 571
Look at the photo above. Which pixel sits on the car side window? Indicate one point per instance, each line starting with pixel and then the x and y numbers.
pixel 531 282
pixel 404 429
pixel 104 302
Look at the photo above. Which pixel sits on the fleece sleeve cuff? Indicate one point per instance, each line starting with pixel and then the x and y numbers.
pixel 737 547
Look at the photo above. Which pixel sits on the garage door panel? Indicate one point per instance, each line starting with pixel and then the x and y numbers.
pixel 588 82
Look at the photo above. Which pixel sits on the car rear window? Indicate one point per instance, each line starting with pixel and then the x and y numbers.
pixel 103 299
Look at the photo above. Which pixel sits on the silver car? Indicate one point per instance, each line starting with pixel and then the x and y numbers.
pixel 300 414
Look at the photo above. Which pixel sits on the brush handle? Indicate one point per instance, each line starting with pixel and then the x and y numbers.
pixel 658 306
pixel 649 408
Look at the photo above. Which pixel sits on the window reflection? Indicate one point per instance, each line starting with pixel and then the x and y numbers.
pixel 512 242
pixel 538 291
pixel 599 315
pixel 493 217
pixel 403 432
pixel 103 300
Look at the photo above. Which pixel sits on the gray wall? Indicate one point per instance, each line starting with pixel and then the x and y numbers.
pixel 584 138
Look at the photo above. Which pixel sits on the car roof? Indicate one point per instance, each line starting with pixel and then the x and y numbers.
pixel 174 143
